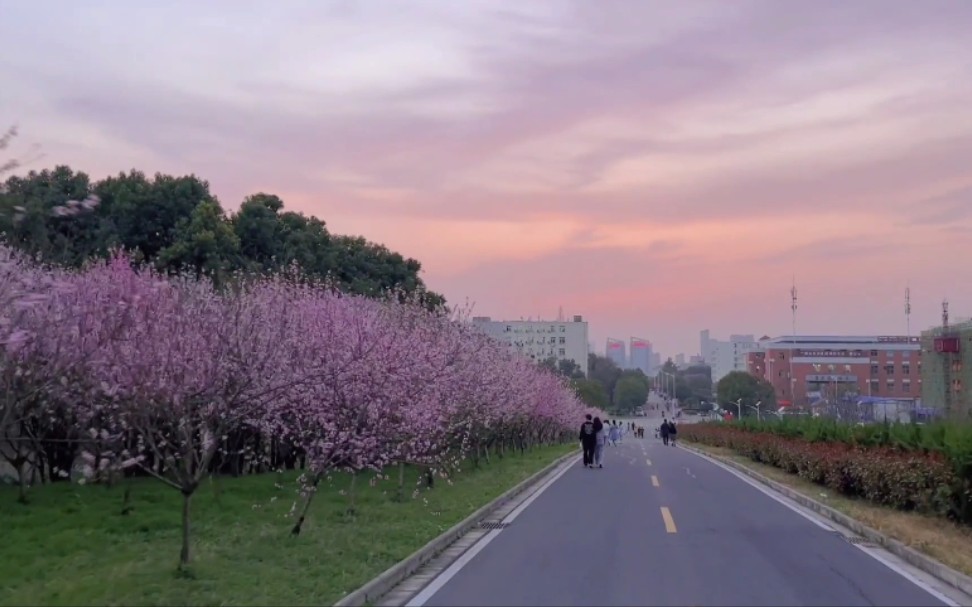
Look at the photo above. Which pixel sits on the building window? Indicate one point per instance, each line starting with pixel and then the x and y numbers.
pixel 563 351
pixel 875 370
pixel 875 386
pixel 563 329
pixel 873 352
pixel 906 354
pixel 508 328
pixel 890 385
pixel 889 369
pixel 956 366
pixel 906 385
pixel 831 368
pixel 906 369
pixel 563 340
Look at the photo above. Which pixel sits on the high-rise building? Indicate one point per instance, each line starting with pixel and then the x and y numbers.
pixel 541 339
pixel 641 355
pixel 615 352
pixel 656 361
pixel 726 356
pixel 946 369
pixel 831 367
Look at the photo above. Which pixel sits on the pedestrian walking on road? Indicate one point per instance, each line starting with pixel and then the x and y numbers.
pixel 663 430
pixel 615 433
pixel 588 440
pixel 672 433
pixel 600 434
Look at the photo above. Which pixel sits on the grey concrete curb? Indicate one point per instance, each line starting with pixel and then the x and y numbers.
pixel 381 585
pixel 908 554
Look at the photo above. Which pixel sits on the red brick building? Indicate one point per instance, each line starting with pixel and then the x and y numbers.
pixel 828 367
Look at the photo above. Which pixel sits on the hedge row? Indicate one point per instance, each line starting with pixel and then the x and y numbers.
pixel 906 479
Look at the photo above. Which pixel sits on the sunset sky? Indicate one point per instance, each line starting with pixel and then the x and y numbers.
pixel 658 167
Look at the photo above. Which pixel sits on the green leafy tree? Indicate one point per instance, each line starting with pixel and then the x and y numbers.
pixel 205 242
pixel 29 222
pixel 631 392
pixel 176 223
pixel 603 370
pixel 570 369
pixel 592 393
pixel 739 386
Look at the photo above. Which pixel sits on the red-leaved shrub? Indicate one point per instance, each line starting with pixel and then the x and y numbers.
pixel 906 480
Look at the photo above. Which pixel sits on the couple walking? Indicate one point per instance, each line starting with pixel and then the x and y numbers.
pixel 594 435
pixel 668 432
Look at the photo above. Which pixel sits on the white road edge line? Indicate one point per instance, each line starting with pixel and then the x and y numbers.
pixel 876 554
pixel 443 578
pixel 768 492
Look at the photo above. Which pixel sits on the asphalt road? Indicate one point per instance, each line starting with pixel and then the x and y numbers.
pixel 661 526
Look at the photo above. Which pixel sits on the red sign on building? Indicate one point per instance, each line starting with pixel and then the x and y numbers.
pixel 947 345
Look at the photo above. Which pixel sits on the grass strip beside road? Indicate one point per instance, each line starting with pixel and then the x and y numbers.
pixel 72 546
pixel 942 540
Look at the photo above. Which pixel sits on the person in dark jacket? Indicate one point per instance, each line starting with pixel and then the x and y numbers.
pixel 672 433
pixel 663 430
pixel 588 440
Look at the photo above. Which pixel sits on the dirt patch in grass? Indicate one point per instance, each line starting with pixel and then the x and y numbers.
pixel 73 546
pixel 942 540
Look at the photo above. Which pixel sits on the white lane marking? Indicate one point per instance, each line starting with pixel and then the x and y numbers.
pixel 443 578
pixel 876 554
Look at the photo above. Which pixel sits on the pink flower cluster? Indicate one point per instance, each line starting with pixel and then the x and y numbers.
pixel 157 372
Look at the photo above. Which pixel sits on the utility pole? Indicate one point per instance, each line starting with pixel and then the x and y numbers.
pixel 946 362
pixel 908 312
pixel 793 309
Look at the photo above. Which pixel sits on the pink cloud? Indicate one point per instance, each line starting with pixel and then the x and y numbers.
pixel 656 167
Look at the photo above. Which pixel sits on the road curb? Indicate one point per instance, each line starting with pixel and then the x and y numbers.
pixel 913 557
pixel 396 574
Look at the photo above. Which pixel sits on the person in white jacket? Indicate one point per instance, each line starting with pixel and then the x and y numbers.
pixel 600 441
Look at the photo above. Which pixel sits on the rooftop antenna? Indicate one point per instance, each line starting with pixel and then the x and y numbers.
pixel 560 314
pixel 945 314
pixel 908 311
pixel 793 310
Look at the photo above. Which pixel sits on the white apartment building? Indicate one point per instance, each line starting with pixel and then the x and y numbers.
pixel 541 339
pixel 725 357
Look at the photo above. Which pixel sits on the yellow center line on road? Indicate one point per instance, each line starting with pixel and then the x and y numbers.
pixel 654 481
pixel 669 521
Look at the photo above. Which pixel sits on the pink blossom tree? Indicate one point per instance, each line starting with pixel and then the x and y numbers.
pixel 216 362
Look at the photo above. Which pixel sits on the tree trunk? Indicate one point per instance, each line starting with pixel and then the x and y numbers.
pixel 351 511
pixel 401 481
pixel 303 513
pixel 20 464
pixel 186 503
pixel 127 501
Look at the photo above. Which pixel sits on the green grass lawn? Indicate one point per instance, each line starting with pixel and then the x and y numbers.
pixel 72 546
